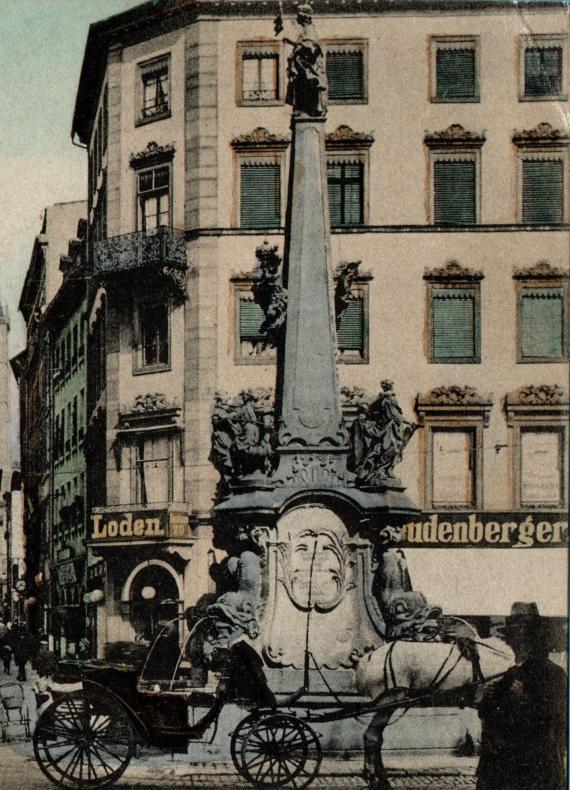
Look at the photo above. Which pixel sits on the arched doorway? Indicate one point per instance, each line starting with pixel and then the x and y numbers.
pixel 154 599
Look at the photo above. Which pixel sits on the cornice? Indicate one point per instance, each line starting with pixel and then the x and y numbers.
pixel 153 154
pixel 454 136
pixel 344 138
pixel 452 271
pixel 260 138
pixel 542 134
pixel 542 270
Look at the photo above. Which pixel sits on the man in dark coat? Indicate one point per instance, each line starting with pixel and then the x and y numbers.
pixel 523 715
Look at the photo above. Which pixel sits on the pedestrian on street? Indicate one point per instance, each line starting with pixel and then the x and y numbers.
pixel 24 647
pixel 523 714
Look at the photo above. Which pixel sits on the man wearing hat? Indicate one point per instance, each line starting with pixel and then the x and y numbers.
pixel 523 715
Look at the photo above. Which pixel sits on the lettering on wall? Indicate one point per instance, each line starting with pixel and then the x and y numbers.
pixel 487 530
pixel 146 525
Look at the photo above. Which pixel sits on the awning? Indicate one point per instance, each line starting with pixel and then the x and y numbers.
pixel 487 581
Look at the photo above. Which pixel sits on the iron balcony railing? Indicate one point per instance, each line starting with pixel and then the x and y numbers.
pixel 140 250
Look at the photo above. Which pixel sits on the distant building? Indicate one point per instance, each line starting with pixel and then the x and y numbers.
pixel 446 181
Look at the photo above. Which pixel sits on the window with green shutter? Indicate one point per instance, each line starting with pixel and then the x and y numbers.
pixel 542 71
pixel 454 183
pixel 346 193
pixel 454 324
pixel 542 191
pixel 251 318
pixel 345 74
pixel 456 77
pixel 541 323
pixel 260 195
pixel 351 331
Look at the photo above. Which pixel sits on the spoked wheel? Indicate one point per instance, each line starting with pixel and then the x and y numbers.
pixel 238 737
pixel 83 740
pixel 280 751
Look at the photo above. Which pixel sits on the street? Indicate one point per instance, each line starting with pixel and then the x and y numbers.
pixel 19 771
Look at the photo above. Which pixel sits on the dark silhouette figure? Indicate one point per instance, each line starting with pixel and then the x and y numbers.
pixel 524 713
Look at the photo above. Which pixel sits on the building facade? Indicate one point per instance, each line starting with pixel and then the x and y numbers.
pixel 448 194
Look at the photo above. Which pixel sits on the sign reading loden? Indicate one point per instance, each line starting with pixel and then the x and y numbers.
pixel 518 530
pixel 150 524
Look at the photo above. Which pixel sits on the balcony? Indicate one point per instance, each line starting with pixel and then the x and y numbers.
pixel 161 251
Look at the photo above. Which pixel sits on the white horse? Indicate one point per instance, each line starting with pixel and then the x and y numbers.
pixel 401 674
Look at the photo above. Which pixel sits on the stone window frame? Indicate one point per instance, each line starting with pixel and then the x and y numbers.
pixel 346 146
pixel 145 67
pixel 539 41
pixel 537 407
pixel 454 143
pixel 454 42
pixel 350 44
pixel 542 143
pixel 453 275
pixel 259 46
pixel 258 147
pixel 542 275
pixel 241 282
pixel 138 368
pixel 453 408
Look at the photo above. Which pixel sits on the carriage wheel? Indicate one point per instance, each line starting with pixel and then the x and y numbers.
pixel 83 740
pixel 238 737
pixel 280 750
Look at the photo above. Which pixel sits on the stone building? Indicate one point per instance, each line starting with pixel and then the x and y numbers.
pixel 447 187
pixel 39 383
pixel 5 454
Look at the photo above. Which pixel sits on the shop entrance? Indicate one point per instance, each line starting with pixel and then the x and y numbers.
pixel 154 601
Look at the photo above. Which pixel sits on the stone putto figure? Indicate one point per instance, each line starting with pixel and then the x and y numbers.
pixel 268 292
pixel 307 84
pixel 378 437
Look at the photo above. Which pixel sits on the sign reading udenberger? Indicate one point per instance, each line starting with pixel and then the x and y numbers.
pixel 492 530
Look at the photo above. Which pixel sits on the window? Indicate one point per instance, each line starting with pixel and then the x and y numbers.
pixel 542 298
pixel 542 191
pixel 454 172
pixel 153 90
pixel 454 314
pixel 259 79
pixel 154 462
pixel 154 198
pixel 538 418
pixel 74 423
pixel 453 468
pixel 105 112
pixel 542 67
pixel 454 70
pixel 260 194
pixel 153 347
pixel 346 71
pixel 453 418
pixel 346 192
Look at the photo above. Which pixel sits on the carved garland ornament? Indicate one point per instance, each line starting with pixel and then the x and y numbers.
pixel 453 395
pixel 538 395
pixel 454 135
pixel 542 270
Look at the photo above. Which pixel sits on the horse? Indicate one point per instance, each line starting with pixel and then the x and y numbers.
pixel 401 674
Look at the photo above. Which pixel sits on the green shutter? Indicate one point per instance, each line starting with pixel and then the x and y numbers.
pixel 543 191
pixel 542 322
pixel 345 75
pixel 454 187
pixel 350 334
pixel 455 70
pixel 542 71
pixel 454 331
pixel 251 317
pixel 260 196
pixel 346 193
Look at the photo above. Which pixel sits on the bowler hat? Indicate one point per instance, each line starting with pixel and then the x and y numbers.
pixel 522 614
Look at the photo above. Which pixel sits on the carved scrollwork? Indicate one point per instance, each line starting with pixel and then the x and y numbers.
pixel 452 271
pixel 542 270
pixel 453 395
pixel 152 155
pixel 454 135
pixel 542 134
pixel 345 137
pixel 260 137
pixel 538 395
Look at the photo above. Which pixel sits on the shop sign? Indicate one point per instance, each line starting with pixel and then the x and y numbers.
pixel 518 530
pixel 137 525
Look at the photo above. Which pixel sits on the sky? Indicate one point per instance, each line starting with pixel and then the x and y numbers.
pixel 41 51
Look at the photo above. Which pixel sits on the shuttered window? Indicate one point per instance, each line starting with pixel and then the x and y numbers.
pixel 350 333
pixel 542 71
pixel 542 323
pixel 543 191
pixel 454 192
pixel 345 75
pixel 260 195
pixel 346 193
pixel 455 74
pixel 454 325
pixel 251 318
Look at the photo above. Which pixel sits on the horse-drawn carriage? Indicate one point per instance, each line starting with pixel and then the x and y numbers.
pixel 86 739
